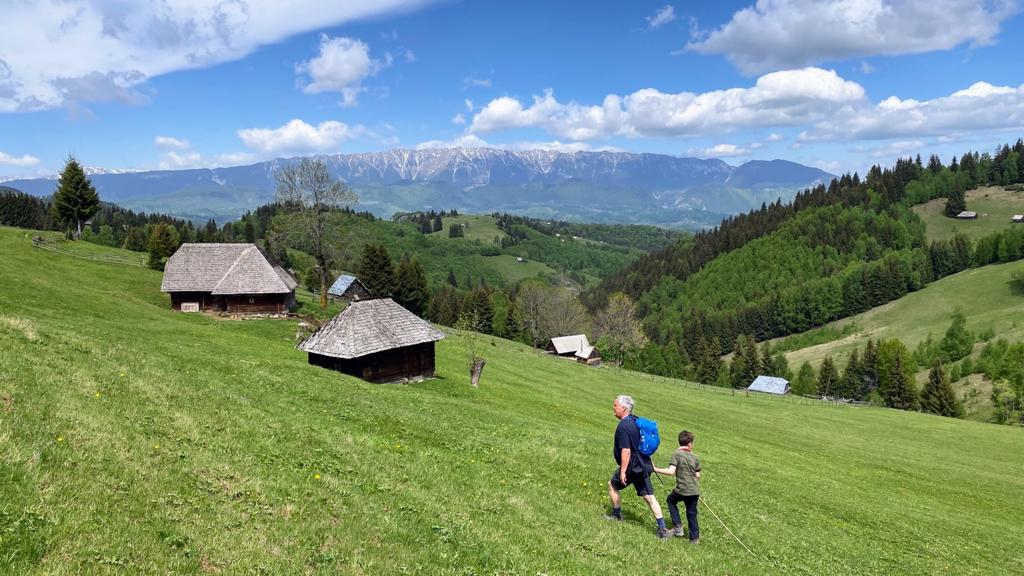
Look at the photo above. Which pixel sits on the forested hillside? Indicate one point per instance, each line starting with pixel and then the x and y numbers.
pixel 835 251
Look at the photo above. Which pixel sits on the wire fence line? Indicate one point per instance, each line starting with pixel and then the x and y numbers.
pixel 803 399
pixel 51 246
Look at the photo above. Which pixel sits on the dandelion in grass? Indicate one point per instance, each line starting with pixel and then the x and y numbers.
pixel 98 394
pixel 316 476
pixel 156 446
pixel 60 439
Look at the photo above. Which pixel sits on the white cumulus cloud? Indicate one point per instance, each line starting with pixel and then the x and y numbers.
pixel 171 143
pixel 299 137
pixel 663 16
pixel 981 106
pixel 58 52
pixel 786 98
pixel 720 151
pixel 23 160
pixel 341 66
pixel 778 34
pixel 459 118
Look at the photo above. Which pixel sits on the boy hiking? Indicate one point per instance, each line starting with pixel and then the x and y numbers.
pixel 686 467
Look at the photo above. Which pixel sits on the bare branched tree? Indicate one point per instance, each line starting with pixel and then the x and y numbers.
pixel 308 189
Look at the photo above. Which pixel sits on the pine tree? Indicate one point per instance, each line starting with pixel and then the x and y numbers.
pixel 828 377
pixel 938 396
pixel 868 371
pixel 709 363
pixel 852 378
pixel 958 340
pixel 163 241
pixel 411 286
pixel 900 392
pixel 479 306
pixel 804 382
pixel 955 202
pixel 377 271
pixel 249 231
pixel 75 200
pixel 452 281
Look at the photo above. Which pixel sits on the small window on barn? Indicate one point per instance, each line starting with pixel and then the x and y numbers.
pixel 252 300
pixel 190 306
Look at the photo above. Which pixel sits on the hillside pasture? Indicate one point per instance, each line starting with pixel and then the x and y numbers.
pixel 995 207
pixel 134 439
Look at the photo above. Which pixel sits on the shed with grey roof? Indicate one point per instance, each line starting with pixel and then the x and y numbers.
pixel 348 287
pixel 234 278
pixel 769 385
pixel 376 340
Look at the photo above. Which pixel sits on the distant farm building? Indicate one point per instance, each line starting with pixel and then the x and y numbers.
pixel 376 340
pixel 1017 218
pixel 967 215
pixel 769 385
pixel 348 288
pixel 233 278
pixel 576 347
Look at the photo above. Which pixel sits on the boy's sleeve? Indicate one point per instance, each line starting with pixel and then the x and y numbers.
pixel 696 464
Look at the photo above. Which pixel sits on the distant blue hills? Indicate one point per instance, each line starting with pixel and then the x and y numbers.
pixel 614 187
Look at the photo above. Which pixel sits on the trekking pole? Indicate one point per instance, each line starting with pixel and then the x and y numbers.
pixel 726 527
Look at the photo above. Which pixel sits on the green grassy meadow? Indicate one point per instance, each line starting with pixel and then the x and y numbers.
pixel 136 440
pixel 994 205
pixel 986 295
pixel 478 227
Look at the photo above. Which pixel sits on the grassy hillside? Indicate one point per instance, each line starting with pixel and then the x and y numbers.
pixel 994 205
pixel 137 440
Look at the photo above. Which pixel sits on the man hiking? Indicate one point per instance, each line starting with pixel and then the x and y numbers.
pixel 634 468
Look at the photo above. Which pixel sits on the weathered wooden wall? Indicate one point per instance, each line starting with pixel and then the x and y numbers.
pixel 387 366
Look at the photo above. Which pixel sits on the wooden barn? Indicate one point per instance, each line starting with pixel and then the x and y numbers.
pixel 376 340
pixel 1017 218
pixel 967 215
pixel 233 278
pixel 348 288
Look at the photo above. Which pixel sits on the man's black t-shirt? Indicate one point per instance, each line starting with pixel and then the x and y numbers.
pixel 627 435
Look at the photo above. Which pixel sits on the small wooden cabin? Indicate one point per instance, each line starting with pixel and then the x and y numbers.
pixel 349 288
pixel 1017 218
pixel 376 340
pixel 769 385
pixel 576 347
pixel 233 278
pixel 967 215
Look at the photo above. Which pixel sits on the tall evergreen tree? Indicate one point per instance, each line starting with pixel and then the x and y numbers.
pixel 709 363
pixel 163 241
pixel 452 281
pixel 958 340
pixel 804 382
pixel 955 202
pixel 411 286
pixel 828 377
pixel 938 396
pixel 852 377
pixel 377 271
pixel 868 370
pixel 75 200
pixel 478 304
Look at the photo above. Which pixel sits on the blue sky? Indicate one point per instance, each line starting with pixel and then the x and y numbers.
pixel 197 83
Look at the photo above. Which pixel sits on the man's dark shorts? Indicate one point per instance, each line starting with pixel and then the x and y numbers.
pixel 641 483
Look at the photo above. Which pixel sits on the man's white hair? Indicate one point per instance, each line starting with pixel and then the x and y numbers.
pixel 625 401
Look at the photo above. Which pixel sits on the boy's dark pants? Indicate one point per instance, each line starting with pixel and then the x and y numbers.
pixel 691 512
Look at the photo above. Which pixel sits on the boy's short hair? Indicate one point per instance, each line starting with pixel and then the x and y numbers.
pixel 685 438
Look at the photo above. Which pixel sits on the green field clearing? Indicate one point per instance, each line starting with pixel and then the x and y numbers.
pixel 994 205
pixel 482 228
pixel 138 440
pixel 514 271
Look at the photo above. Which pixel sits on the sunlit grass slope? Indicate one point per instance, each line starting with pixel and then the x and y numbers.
pixel 137 440
pixel 994 205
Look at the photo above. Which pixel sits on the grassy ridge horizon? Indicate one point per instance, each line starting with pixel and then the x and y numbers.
pixel 136 439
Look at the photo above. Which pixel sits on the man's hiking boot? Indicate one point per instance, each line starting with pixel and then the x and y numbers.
pixel 664 533
pixel 678 532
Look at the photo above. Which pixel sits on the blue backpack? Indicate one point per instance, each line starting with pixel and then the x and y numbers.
pixel 649 439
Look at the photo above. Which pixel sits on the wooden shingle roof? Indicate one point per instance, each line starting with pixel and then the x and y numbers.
pixel 222 269
pixel 369 326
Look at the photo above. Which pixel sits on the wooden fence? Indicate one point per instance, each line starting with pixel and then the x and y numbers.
pixel 59 247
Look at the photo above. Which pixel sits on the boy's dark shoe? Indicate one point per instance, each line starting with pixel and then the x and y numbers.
pixel 664 533
pixel 678 531
pixel 695 542
pixel 612 518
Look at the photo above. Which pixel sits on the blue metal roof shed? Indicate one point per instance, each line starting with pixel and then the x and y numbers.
pixel 769 385
pixel 347 286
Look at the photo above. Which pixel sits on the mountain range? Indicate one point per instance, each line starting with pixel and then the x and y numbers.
pixel 602 186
